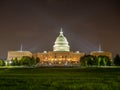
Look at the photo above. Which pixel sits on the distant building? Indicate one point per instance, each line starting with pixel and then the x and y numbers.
pixel 102 53
pixel 18 54
pixel 61 54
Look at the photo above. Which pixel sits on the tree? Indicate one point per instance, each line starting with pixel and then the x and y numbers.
pixel 28 61
pixel 83 61
pixel 15 62
pixel 87 60
pixel 103 60
pixel 2 63
pixel 37 60
pixel 117 60
pixel 90 60
pixel 25 60
pixel 33 61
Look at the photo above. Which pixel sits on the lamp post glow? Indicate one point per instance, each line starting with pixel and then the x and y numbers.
pixel 10 62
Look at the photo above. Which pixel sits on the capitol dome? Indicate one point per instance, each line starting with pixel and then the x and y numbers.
pixel 61 43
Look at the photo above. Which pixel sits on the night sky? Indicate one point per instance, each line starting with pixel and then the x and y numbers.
pixel 36 23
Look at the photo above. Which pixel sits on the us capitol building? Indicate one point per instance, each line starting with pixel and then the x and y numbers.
pixel 60 56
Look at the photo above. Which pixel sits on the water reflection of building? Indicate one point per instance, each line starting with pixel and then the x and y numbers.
pixel 61 54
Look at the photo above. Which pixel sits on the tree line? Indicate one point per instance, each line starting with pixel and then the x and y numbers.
pixel 101 60
pixel 86 60
pixel 90 60
pixel 24 61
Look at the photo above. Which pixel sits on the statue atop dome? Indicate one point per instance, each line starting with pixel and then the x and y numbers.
pixel 61 32
pixel 61 43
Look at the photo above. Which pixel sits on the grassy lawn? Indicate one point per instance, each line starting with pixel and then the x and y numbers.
pixel 60 78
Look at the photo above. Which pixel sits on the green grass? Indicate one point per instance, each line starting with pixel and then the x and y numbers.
pixel 60 78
